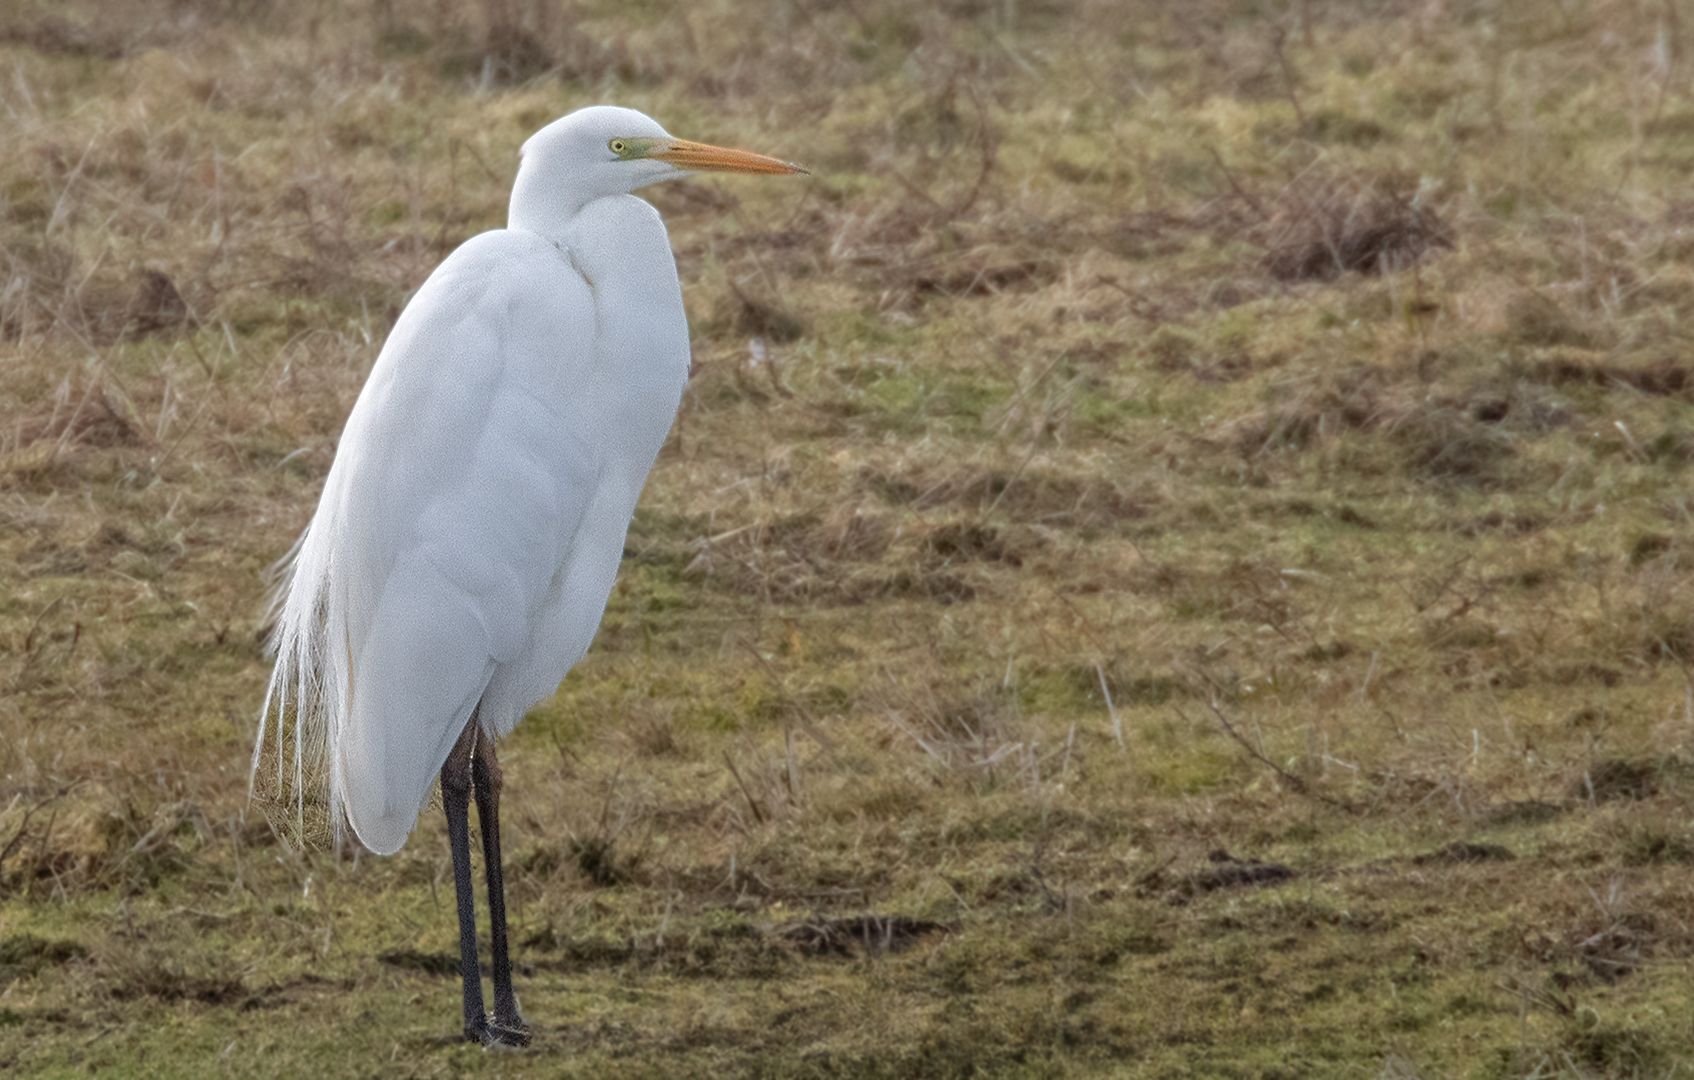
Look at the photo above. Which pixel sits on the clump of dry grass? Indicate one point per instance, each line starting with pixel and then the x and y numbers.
pixel 1321 227
pixel 80 416
pixel 1441 440
pixel 977 737
pixel 799 558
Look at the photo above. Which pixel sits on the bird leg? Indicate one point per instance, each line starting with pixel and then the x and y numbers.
pixel 505 1025
pixel 456 801
pixel 472 767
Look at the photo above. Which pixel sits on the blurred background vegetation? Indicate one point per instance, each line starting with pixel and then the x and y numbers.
pixel 1170 563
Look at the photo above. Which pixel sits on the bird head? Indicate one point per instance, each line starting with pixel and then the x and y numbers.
pixel 606 150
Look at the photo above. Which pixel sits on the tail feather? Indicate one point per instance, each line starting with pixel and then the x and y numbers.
pixel 309 678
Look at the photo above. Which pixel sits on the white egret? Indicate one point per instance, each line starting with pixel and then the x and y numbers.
pixel 472 524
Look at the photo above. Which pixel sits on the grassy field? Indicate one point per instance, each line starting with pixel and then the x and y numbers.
pixel 1174 560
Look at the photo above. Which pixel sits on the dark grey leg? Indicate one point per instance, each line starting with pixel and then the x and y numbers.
pixel 505 1026
pixel 456 800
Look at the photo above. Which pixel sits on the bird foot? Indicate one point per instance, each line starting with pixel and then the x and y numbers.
pixel 492 1031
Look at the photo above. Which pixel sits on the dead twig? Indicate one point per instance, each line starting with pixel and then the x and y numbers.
pixel 21 833
pixel 1241 193
pixel 758 814
pixel 986 130
pixel 808 722
pixel 1288 78
pixel 1297 784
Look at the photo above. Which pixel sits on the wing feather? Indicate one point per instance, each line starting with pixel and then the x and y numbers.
pixel 459 481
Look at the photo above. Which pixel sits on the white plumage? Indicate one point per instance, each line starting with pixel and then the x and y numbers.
pixel 471 527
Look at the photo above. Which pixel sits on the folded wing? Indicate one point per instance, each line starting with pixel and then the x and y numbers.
pixel 462 476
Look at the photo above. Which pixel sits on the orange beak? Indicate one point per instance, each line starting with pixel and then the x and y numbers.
pixel 699 157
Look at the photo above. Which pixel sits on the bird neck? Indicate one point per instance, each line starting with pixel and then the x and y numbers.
pixel 544 206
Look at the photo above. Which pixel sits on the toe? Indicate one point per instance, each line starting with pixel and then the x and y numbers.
pixel 505 1033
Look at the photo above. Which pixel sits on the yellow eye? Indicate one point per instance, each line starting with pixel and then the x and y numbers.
pixel 618 146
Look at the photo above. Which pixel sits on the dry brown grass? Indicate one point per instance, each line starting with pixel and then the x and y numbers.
pixel 1174 557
